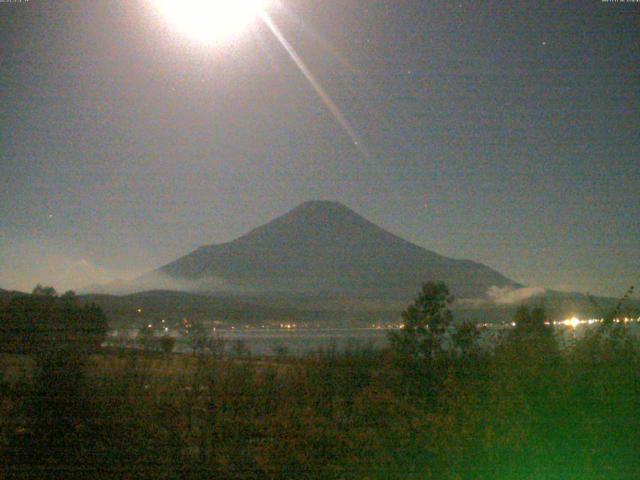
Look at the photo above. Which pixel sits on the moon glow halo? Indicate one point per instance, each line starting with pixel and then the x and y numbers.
pixel 211 21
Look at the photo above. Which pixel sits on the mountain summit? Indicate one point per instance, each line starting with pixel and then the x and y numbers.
pixel 325 248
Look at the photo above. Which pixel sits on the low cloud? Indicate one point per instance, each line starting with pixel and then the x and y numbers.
pixel 157 280
pixel 509 295
pixel 503 296
pixel 59 271
pixel 23 264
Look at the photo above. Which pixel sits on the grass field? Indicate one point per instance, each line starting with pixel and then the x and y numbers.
pixel 516 413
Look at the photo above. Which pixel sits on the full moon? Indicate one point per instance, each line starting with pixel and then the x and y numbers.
pixel 211 21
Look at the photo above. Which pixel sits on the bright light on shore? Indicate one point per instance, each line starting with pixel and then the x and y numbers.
pixel 211 21
pixel 572 322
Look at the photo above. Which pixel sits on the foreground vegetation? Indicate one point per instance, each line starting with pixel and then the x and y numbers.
pixel 435 405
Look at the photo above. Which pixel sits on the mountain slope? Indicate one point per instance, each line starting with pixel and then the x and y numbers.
pixel 324 248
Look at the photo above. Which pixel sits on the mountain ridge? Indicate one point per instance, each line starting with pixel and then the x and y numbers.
pixel 325 247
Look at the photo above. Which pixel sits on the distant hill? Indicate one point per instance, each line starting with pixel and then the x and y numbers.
pixel 6 295
pixel 322 249
pixel 174 305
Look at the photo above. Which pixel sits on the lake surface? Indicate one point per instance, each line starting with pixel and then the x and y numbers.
pixel 300 341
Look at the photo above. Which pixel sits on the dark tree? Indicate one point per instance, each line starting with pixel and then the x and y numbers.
pixel 147 338
pixel 426 321
pixel 465 339
pixel 43 291
pixel 530 324
pixel 43 323
pixel 531 337
pixel 198 338
pixel 216 345
pixel 167 344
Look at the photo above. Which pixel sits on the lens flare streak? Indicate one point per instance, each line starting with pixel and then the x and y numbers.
pixel 315 84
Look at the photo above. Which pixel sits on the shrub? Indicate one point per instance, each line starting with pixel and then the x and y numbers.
pixel 167 343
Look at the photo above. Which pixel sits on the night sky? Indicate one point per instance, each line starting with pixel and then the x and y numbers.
pixel 503 132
